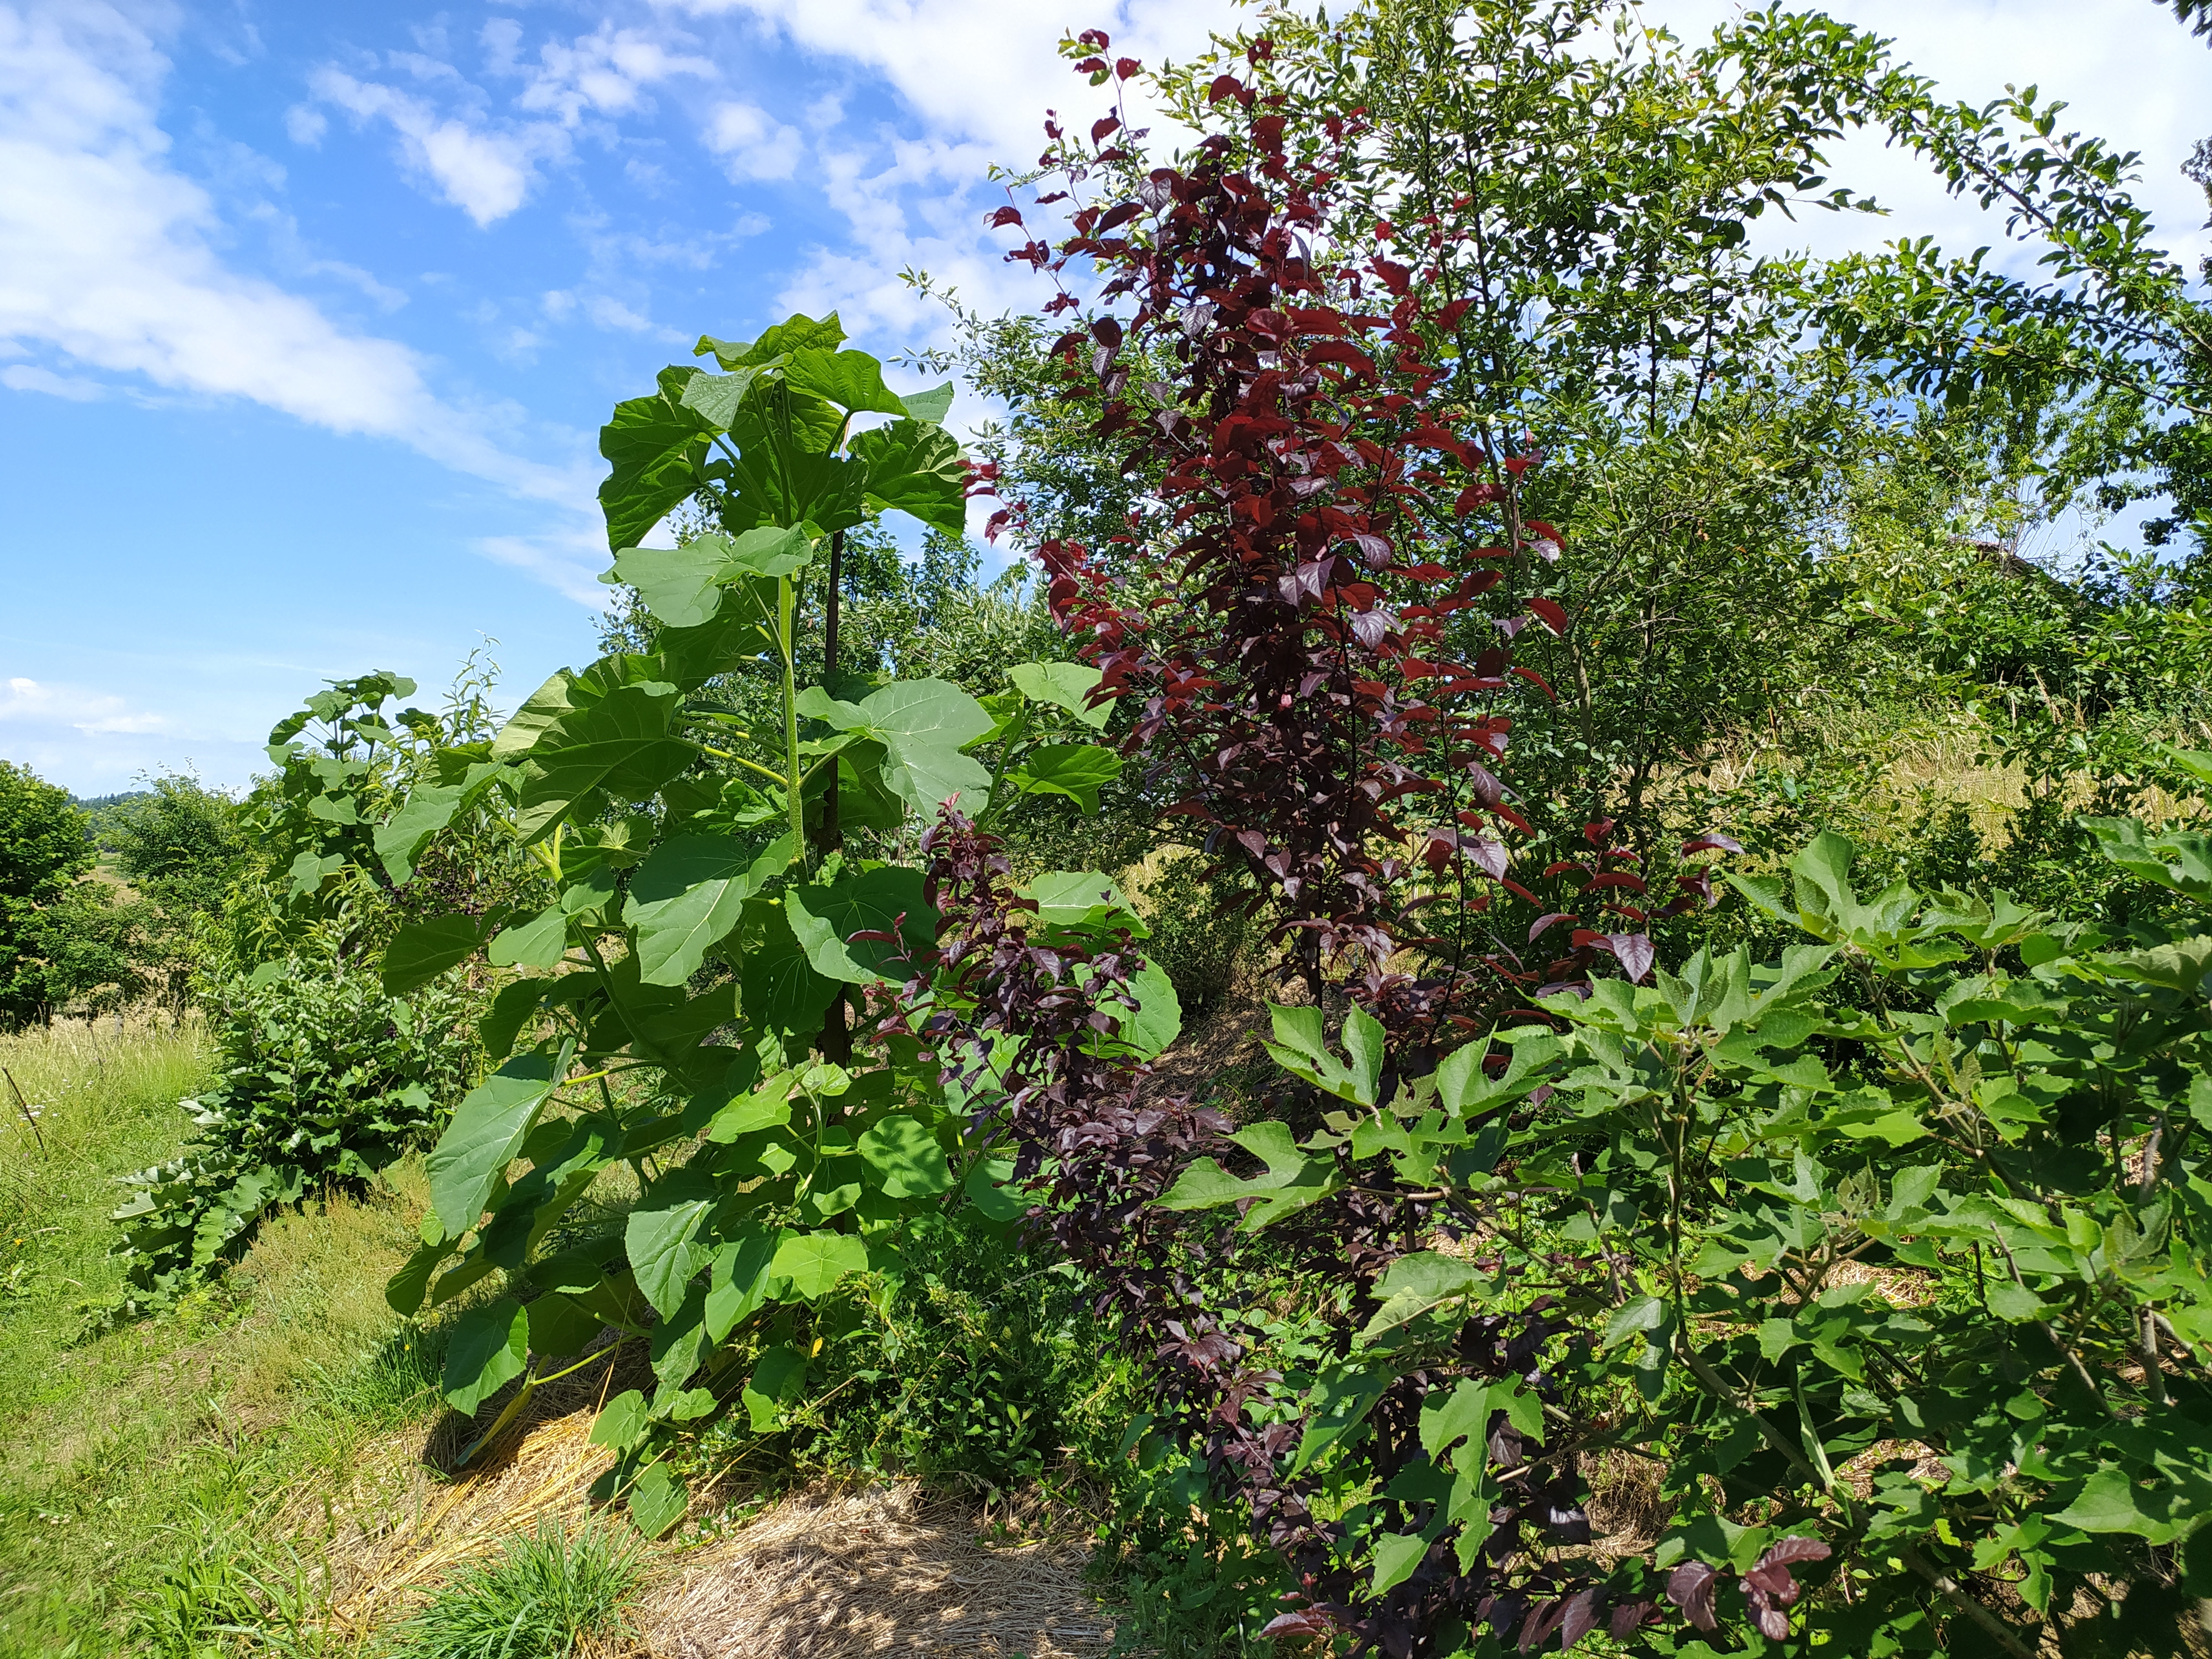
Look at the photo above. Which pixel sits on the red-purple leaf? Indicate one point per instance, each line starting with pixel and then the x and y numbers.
pixel 1690 1587
pixel 1636 953
pixel 1711 841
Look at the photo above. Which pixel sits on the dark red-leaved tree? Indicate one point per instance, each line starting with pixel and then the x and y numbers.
pixel 1318 517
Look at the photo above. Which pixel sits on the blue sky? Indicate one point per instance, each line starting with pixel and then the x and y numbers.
pixel 309 313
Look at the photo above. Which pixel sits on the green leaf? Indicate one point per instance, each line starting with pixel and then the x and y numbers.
pixel 1082 899
pixel 739 1284
pixel 851 379
pixel 796 333
pixel 2015 1303
pixel 888 899
pixel 541 942
pixel 989 1189
pixel 560 1325
pixel 931 406
pixel 619 748
pixel 404 1290
pixel 422 815
pixel 922 725
pixel 1338 1402
pixel 1159 1019
pixel 1065 685
pixel 488 1128
pixel 540 712
pixel 1076 771
pixel 816 1263
pixel 683 585
pixel 1301 1048
pixel 511 1010
pixel 421 951
pixel 907 1157
pixel 490 1347
pixel 661 1237
pixel 1640 1314
pixel 1396 1555
pixel 656 447
pixel 916 467
pixel 777 1378
pixel 1292 1182
pixel 2110 1502
pixel 620 1423
pixel 781 991
pixel 658 1501
pixel 689 894
pixel 1463 1414
pixel 1415 1284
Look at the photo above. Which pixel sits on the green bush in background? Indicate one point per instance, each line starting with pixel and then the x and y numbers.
pixel 323 1080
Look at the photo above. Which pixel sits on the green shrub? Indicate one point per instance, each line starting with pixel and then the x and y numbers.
pixel 548 1592
pixel 1200 928
pixel 323 1080
pixel 974 1361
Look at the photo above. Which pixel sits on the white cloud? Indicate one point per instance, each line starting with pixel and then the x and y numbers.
pixel 486 166
pixel 96 713
pixel 983 70
pixel 21 377
pixel 605 71
pixel 485 173
pixel 107 256
pixel 752 143
pixel 306 124
pixel 567 562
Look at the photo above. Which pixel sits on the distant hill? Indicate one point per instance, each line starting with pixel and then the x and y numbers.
pixel 93 803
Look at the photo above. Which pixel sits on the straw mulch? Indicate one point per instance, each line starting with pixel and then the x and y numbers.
pixel 838 1574
pixel 824 1574
pixel 389 1557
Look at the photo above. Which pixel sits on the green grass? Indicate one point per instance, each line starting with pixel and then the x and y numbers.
pixel 157 1476
pixel 548 1591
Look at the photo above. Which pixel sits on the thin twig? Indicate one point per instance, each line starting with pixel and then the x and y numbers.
pixel 24 1107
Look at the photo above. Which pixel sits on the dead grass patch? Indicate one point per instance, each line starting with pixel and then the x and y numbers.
pixel 840 1572
pixel 413 1514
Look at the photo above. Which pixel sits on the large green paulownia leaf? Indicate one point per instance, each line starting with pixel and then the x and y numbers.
pixel 424 814
pixel 782 991
pixel 737 1288
pixel 798 333
pixel 906 1157
pixel 619 747
pixel 490 1347
pixel 488 1126
pixel 914 466
pixel 421 951
pixel 823 919
pixel 662 1235
pixel 1065 685
pixel 922 725
pixel 1076 771
pixel 815 1263
pixel 851 379
pixel 683 585
pixel 541 942
pixel 687 897
pixel 1083 899
pixel 656 447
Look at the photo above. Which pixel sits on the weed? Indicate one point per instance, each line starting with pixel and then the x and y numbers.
pixel 546 1593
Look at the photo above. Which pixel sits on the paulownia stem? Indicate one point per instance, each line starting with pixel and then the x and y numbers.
pixel 836 1039
pixel 787 608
